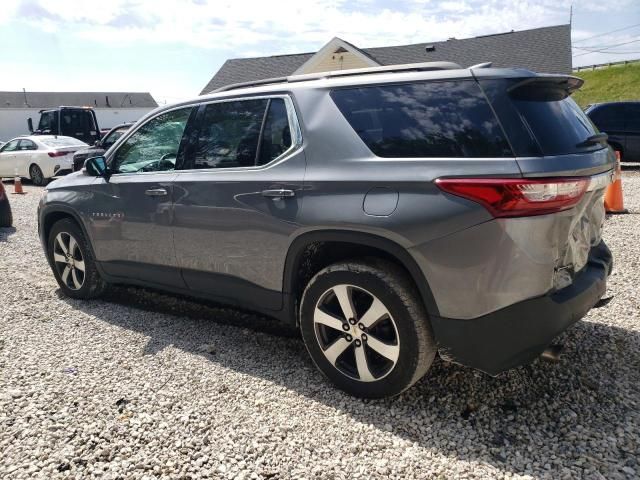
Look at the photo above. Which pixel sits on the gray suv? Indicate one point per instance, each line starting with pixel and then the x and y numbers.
pixel 389 213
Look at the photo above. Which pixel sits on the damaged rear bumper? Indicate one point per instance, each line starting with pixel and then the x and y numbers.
pixel 519 333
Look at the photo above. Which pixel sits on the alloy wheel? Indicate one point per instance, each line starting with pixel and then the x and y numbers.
pixel 36 175
pixel 356 333
pixel 69 261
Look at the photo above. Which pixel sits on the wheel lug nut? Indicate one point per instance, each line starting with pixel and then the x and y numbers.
pixel 361 326
pixel 352 321
pixel 358 343
pixel 349 338
pixel 345 327
pixel 364 337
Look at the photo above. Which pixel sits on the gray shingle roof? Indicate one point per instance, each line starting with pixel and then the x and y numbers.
pixel 546 49
pixel 91 99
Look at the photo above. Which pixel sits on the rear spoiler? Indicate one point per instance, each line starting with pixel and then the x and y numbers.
pixel 555 86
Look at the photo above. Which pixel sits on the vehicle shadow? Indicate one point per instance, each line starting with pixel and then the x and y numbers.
pixel 6 232
pixel 567 411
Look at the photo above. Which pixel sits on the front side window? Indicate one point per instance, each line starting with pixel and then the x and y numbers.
pixel 154 146
pixel 12 146
pixel 48 122
pixel 112 137
pixel 426 119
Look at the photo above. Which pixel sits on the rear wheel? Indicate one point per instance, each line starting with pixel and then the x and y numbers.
pixel 72 261
pixel 366 329
pixel 37 177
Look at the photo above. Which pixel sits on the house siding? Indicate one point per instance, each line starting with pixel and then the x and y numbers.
pixel 337 61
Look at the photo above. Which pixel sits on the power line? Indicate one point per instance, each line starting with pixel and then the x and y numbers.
pixel 628 52
pixel 605 49
pixel 608 33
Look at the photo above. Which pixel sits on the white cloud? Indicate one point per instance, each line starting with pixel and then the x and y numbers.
pixel 258 27
pixel 284 27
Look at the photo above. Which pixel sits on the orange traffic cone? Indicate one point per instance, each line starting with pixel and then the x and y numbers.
pixel 613 201
pixel 17 186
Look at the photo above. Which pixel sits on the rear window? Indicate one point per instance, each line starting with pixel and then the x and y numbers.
pixel 62 142
pixel 556 121
pixel 434 119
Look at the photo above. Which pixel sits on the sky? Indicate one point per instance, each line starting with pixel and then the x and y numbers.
pixel 171 48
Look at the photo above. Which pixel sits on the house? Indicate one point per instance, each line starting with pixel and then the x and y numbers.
pixel 111 108
pixel 546 49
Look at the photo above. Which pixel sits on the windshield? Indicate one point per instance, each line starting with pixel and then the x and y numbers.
pixel 62 142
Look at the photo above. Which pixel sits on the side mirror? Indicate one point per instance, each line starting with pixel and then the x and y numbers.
pixel 30 124
pixel 96 167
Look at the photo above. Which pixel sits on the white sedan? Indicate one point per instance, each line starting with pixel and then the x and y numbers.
pixel 38 157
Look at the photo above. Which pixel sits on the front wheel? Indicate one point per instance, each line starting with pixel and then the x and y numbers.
pixel 366 328
pixel 72 261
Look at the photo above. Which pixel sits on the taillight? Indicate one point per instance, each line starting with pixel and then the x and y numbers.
pixel 516 197
pixel 57 154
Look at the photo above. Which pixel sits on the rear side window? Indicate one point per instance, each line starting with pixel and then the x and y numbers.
pixel 434 119
pixel 76 121
pixel 556 121
pixel 242 133
pixel 608 117
pixel 276 135
pixel 26 144
pixel 229 134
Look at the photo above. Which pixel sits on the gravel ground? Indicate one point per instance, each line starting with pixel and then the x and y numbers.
pixel 147 385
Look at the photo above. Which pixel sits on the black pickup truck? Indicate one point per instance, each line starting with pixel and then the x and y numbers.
pixel 76 122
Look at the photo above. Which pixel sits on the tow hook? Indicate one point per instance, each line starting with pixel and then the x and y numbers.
pixel 552 353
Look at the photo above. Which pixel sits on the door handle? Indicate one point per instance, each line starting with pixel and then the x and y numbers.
pixel 156 192
pixel 278 193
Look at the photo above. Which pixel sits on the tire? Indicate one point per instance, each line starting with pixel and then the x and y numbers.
pixel 6 218
pixel 402 331
pixel 66 238
pixel 36 175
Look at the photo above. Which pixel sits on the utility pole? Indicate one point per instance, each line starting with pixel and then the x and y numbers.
pixel 571 15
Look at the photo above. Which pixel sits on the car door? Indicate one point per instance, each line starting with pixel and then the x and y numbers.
pixel 8 160
pixel 632 128
pixel 24 156
pixel 237 204
pixel 130 224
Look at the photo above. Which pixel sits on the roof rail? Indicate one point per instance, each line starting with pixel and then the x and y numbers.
pixel 408 67
pixel 481 65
